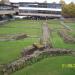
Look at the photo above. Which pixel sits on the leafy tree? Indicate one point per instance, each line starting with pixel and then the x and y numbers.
pixel 68 10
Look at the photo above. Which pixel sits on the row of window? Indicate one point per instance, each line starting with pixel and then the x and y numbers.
pixel 39 11
pixel 41 5
pixel 5 7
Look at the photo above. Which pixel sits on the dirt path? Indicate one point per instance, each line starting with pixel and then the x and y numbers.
pixel 45 39
pixel 46 34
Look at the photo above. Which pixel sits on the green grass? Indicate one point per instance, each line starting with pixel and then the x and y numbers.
pixel 72 33
pixel 27 31
pixel 72 26
pixel 16 27
pixel 58 42
pixel 49 66
pixel 10 50
pixel 54 24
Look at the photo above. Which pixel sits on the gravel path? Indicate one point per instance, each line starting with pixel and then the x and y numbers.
pixel 45 39
pixel 46 33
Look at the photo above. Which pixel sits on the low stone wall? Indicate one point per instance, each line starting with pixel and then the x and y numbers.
pixel 32 58
pixel 27 51
pixel 67 38
pixel 13 37
pixel 20 36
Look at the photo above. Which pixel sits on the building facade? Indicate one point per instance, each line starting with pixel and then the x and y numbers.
pixel 40 9
pixel 7 10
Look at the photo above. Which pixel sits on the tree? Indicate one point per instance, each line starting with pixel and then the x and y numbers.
pixel 68 10
pixel 71 9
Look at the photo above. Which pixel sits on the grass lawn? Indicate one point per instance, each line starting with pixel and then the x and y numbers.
pixel 16 27
pixel 72 26
pixel 10 50
pixel 54 24
pixel 50 66
pixel 56 40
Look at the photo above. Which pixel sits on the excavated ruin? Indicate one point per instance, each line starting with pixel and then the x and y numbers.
pixel 20 36
pixel 33 57
pixel 67 38
pixel 35 53
pixel 12 37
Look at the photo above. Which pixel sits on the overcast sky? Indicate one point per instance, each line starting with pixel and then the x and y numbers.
pixel 41 1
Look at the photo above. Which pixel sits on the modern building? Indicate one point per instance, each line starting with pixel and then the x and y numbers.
pixel 40 9
pixel 30 9
pixel 7 10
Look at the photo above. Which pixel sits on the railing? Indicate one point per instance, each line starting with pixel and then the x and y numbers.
pixel 40 14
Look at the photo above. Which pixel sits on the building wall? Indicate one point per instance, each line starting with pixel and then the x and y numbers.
pixel 40 5
pixel 42 8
